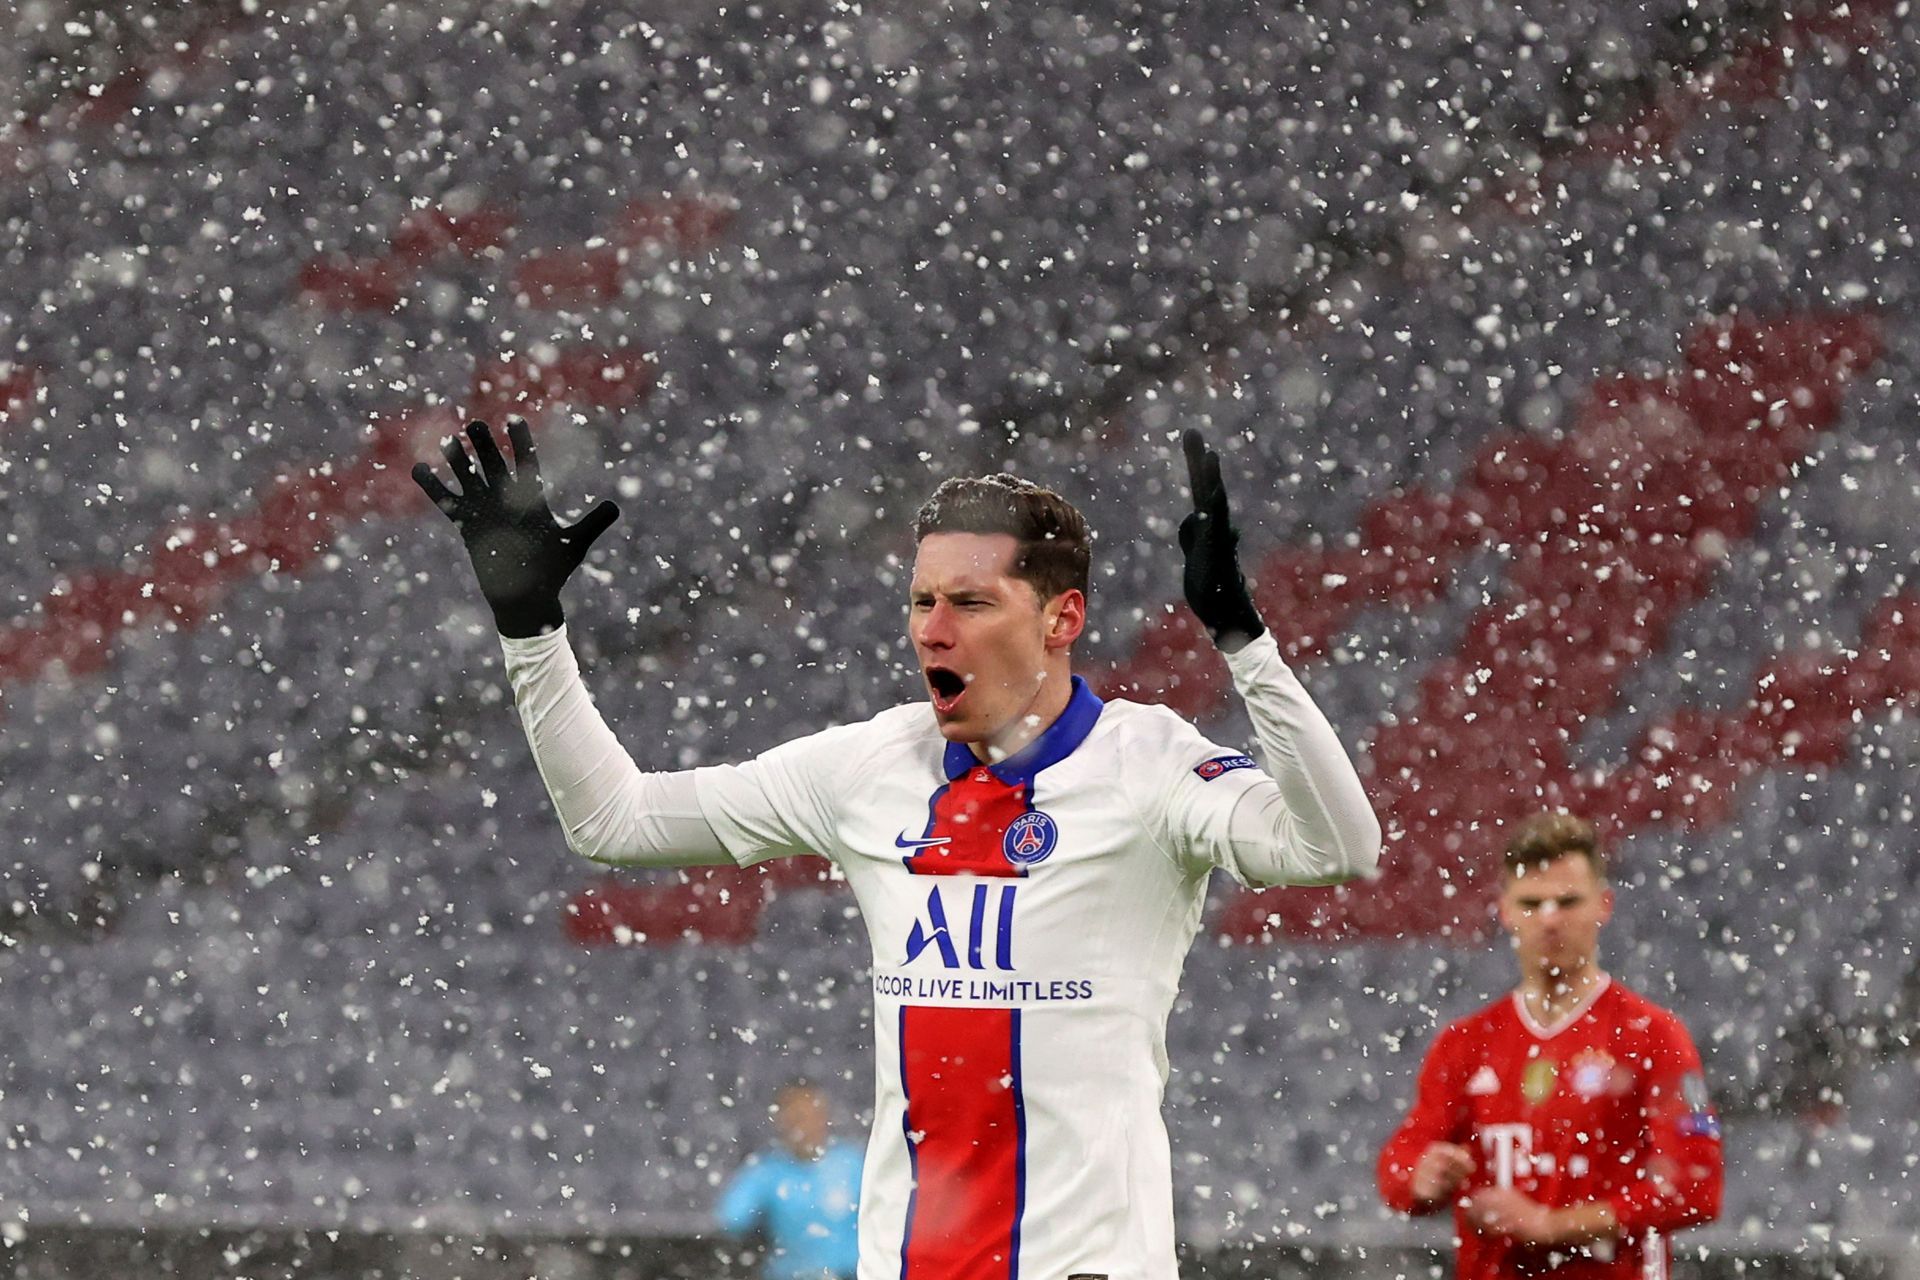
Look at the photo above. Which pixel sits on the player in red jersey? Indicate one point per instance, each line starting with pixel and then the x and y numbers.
pixel 1567 1124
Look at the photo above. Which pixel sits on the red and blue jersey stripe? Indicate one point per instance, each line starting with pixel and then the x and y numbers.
pixel 965 1124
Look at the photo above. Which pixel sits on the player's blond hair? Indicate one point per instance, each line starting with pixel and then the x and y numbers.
pixel 1548 837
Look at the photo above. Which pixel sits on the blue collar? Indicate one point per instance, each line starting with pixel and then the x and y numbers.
pixel 1055 743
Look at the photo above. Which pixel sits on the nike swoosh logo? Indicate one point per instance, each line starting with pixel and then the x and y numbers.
pixel 901 842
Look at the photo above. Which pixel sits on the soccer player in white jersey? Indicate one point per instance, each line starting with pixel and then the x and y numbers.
pixel 1031 862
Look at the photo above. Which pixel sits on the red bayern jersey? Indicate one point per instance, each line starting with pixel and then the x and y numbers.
pixel 1607 1104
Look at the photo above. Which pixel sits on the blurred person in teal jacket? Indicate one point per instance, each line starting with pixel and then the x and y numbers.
pixel 802 1193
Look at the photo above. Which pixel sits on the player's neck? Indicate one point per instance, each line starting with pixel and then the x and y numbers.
pixel 1048 704
pixel 1550 995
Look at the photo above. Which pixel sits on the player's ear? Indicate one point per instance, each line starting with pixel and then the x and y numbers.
pixel 1066 616
pixel 1606 903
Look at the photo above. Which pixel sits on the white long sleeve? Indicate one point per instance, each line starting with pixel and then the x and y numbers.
pixel 1312 824
pixel 610 809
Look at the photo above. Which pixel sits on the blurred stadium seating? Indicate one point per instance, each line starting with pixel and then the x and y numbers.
pixel 1564 353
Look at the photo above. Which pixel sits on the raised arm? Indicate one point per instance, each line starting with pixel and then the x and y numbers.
pixel 611 810
pixel 1312 824
pixel 522 556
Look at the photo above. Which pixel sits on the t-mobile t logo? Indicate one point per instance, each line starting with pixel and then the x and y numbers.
pixel 1510 1148
pixel 989 929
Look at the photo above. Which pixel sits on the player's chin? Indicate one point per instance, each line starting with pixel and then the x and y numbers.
pixel 956 721
pixel 1559 961
pixel 956 730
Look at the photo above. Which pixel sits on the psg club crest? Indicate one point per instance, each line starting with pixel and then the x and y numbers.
pixel 1030 838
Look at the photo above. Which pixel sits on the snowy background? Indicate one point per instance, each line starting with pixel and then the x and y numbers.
pixel 1562 358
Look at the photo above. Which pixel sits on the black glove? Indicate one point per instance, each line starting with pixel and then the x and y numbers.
pixel 520 553
pixel 1215 590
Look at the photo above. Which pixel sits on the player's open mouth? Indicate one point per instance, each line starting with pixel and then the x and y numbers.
pixel 946 685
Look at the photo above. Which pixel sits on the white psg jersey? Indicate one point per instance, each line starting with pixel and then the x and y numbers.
pixel 1028 921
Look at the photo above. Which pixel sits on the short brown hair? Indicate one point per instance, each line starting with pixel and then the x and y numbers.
pixel 1548 837
pixel 1055 552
